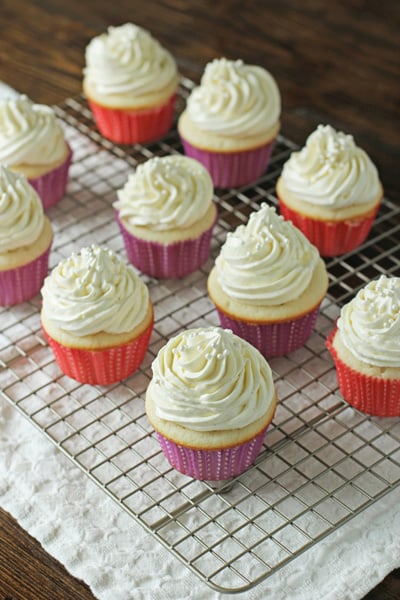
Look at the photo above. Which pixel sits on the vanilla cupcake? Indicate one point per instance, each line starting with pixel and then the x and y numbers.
pixel 26 236
pixel 32 142
pixel 210 401
pixel 268 283
pixel 130 82
pixel 231 121
pixel 331 191
pixel 365 345
pixel 97 316
pixel 166 215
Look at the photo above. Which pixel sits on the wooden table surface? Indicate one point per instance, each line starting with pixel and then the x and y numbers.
pixel 335 63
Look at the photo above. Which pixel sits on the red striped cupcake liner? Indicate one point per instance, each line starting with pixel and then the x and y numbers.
pixel 101 367
pixel 130 126
pixel 232 169
pixel 51 186
pixel 212 465
pixel 272 339
pixel 371 395
pixel 167 261
pixel 330 237
pixel 23 283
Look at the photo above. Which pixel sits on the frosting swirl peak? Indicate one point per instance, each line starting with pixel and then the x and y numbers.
pixel 209 379
pixel 331 170
pixel 369 324
pixel 21 211
pixel 29 133
pixel 266 262
pixel 235 99
pixel 127 60
pixel 93 292
pixel 165 193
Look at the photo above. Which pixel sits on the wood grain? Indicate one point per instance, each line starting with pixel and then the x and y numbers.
pixel 29 573
pixel 335 63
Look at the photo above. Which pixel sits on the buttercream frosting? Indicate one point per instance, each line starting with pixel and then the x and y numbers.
pixel 266 262
pixel 235 99
pixel 29 133
pixel 331 170
pixel 93 291
pixel 369 324
pixel 209 379
pixel 165 193
pixel 21 212
pixel 127 60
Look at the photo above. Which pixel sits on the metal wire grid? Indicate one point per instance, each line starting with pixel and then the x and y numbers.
pixel 322 463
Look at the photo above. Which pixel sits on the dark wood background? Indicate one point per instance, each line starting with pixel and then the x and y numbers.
pixel 335 62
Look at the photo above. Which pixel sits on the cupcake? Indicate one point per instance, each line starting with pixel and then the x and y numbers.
pixel 26 236
pixel 331 191
pixel 97 316
pixel 231 121
pixel 268 282
pixel 210 401
pixel 130 82
pixel 32 142
pixel 166 215
pixel 365 345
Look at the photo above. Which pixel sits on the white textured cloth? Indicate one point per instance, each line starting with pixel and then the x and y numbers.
pixel 77 523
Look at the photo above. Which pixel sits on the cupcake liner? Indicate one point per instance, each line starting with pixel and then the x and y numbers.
pixel 232 169
pixel 371 395
pixel 167 261
pixel 130 126
pixel 51 186
pixel 212 465
pixel 24 282
pixel 101 367
pixel 272 339
pixel 330 237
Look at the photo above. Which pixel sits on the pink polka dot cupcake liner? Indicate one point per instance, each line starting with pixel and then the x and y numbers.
pixel 273 339
pixel 331 238
pixel 167 261
pixel 23 283
pixel 130 126
pixel 51 186
pixel 232 169
pixel 212 465
pixel 371 395
pixel 101 367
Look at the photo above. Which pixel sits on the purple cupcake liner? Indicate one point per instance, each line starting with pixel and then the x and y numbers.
pixel 52 185
pixel 232 169
pixel 23 283
pixel 167 261
pixel 212 465
pixel 273 339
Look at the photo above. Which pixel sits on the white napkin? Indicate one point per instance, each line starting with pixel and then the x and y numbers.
pixel 98 542
pixel 78 524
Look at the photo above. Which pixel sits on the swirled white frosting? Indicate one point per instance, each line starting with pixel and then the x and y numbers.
pixel 235 99
pixel 128 60
pixel 93 292
pixel 331 170
pixel 209 379
pixel 21 211
pixel 266 262
pixel 369 324
pixel 165 193
pixel 29 133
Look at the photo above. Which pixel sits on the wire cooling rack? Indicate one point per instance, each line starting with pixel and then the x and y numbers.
pixel 322 463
